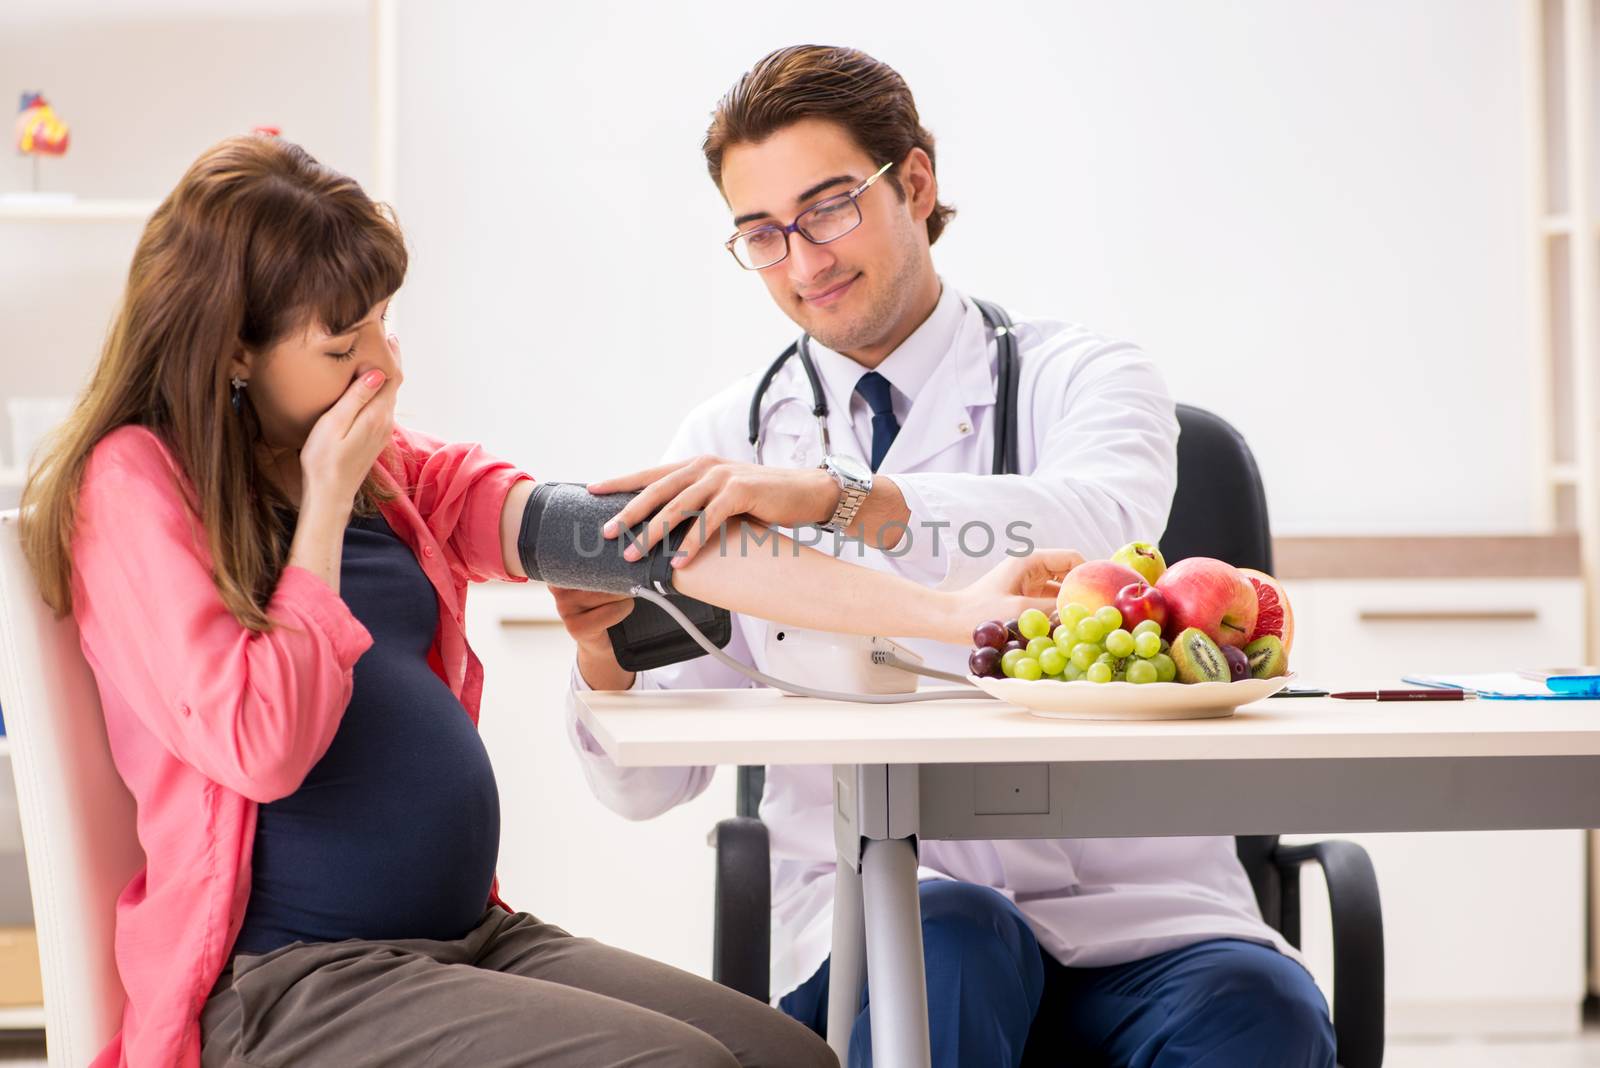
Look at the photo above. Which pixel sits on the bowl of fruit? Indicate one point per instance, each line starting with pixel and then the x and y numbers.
pixel 1134 639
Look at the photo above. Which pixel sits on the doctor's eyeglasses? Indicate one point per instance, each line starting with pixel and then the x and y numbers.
pixel 827 220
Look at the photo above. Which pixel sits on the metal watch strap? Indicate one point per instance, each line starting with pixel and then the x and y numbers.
pixel 844 513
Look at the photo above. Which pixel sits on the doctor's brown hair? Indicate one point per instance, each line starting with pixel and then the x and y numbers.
pixel 257 240
pixel 867 98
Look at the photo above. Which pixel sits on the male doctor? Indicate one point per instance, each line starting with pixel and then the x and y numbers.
pixel 1142 952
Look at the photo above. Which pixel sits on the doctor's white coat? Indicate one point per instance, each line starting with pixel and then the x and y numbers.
pixel 1097 444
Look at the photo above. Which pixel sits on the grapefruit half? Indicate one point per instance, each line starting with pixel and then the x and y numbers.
pixel 1273 615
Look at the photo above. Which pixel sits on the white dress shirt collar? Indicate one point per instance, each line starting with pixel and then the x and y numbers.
pixel 907 367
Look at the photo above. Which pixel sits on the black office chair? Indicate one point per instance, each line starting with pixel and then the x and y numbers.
pixel 1219 510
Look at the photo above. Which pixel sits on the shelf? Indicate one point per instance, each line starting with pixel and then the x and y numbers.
pixel 1519 556
pixel 76 210
pixel 21 1017
pixel 1564 474
pixel 1557 224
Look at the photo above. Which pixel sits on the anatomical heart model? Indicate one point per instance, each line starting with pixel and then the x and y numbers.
pixel 40 132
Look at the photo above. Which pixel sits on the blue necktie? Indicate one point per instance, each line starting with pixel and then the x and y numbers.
pixel 874 389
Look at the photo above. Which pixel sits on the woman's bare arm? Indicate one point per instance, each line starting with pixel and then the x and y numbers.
pixel 761 573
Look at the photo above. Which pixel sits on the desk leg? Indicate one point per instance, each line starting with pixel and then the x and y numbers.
pixel 893 915
pixel 875 816
pixel 847 965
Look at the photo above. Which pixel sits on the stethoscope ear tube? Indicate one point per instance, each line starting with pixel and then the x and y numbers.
pixel 819 400
pixel 1006 457
pixel 761 389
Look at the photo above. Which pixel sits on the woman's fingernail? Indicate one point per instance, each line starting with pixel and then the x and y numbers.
pixel 373 378
pixel 630 554
pixel 610 529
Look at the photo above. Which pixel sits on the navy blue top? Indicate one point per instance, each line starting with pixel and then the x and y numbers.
pixel 395 831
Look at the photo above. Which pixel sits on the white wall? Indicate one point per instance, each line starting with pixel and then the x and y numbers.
pixel 145 89
pixel 1315 216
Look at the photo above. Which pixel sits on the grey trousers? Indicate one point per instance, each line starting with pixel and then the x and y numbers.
pixel 514 992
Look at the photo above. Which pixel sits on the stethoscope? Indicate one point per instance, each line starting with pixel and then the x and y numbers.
pixel 1005 423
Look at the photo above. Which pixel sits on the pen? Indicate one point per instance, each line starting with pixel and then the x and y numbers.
pixel 1404 695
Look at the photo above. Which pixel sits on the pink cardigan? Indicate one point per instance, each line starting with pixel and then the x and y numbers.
pixel 207 720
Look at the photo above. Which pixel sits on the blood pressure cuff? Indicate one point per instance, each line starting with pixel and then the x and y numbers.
pixel 561 543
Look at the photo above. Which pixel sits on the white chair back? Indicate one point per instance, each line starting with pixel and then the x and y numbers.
pixel 77 816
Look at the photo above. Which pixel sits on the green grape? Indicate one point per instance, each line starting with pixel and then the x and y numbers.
pixel 1072 674
pixel 1065 637
pixel 1084 654
pixel 1008 662
pixel 1147 644
pixel 1148 626
pixel 1119 643
pixel 1074 614
pixel 1141 672
pixel 1166 670
pixel 1098 673
pixel 1037 646
pixel 1053 661
pixel 1028 668
pixel 1033 624
pixel 1090 629
pixel 1109 617
pixel 1108 660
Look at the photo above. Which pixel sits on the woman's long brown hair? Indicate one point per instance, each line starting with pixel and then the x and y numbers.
pixel 257 240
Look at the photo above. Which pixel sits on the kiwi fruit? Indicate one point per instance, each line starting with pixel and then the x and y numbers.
pixel 1267 658
pixel 1198 658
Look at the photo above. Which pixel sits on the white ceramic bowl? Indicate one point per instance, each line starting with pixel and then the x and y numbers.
pixel 1124 700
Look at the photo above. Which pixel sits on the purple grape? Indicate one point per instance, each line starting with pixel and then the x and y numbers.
pixel 1015 630
pixel 990 635
pixel 1238 663
pixel 985 662
pixel 1012 644
pixel 1055 621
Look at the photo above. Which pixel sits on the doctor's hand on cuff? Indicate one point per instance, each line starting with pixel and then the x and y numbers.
pixel 713 492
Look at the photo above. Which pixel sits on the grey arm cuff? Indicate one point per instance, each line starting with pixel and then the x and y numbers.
pixel 561 542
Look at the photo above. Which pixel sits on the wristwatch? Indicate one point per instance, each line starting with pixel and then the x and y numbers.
pixel 855 482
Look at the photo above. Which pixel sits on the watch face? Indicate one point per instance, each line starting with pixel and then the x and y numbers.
pixel 851 468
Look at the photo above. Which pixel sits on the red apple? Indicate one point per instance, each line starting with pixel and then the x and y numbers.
pixel 1140 601
pixel 1095 584
pixel 1212 595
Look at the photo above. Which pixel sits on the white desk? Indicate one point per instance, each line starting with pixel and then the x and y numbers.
pixel 982 769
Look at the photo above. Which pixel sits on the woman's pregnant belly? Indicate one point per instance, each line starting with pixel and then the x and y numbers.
pixel 393 834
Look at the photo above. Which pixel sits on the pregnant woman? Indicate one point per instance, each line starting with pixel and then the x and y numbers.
pixel 269 578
